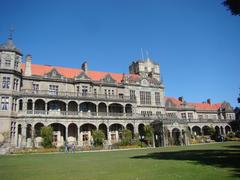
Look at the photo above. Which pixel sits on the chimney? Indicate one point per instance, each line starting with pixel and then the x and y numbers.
pixel 28 70
pixel 85 66
pixel 181 99
pixel 209 101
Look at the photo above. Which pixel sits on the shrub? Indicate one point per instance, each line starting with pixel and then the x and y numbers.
pixel 126 137
pixel 148 134
pixel 231 135
pixel 47 136
pixel 237 134
pixel 98 137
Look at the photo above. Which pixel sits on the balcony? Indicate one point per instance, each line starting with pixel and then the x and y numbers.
pixel 57 113
pixel 75 95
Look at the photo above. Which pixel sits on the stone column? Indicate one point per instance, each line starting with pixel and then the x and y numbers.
pixel 136 129
pixel 81 139
pixel 78 135
pixel 24 134
pixel 66 108
pixel 109 137
pixel 32 135
pixel 16 136
pixel 89 137
pixel 117 136
pixel 33 107
pixel 66 134
pixel 46 108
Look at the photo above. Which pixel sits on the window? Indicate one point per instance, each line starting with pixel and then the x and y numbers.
pixel 157 98
pixel 14 104
pixel 190 115
pixel 84 90
pixel 15 84
pixel 158 113
pixel 200 116
pixel 113 92
pixel 95 91
pixel 78 90
pixel 146 113
pixel 109 92
pixel 35 88
pixel 7 63
pixel 145 97
pixel 5 103
pixel 132 94
pixel 53 89
pixel 183 115
pixel 16 63
pixel 6 82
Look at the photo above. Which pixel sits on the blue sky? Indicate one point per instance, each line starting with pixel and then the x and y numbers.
pixel 195 42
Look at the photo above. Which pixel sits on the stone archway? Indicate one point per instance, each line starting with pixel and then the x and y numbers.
pixel 59 134
pixel 116 132
pixel 206 130
pixel 130 127
pixel 86 134
pixel 37 132
pixel 227 129
pixel 72 133
pixel 103 128
pixel 196 130
pixel 176 135
pixel 217 129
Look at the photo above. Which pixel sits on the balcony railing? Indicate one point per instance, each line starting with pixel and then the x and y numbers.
pixel 163 118
pixel 73 113
pixel 30 92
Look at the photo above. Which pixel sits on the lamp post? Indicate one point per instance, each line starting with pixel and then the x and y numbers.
pixel 141 139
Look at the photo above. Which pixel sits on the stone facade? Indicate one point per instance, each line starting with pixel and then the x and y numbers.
pixel 76 101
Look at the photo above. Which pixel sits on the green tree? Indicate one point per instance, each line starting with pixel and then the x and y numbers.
pixel 233 6
pixel 148 133
pixel 47 136
pixel 213 133
pixel 126 137
pixel 98 137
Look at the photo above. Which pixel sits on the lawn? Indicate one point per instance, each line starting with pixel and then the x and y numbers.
pixel 209 161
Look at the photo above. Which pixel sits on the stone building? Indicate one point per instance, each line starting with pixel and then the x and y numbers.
pixel 75 101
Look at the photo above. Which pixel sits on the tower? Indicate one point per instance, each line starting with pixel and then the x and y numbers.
pixel 10 79
pixel 146 68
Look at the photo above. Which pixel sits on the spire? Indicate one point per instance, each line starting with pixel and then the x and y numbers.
pixel 9 45
pixel 11 31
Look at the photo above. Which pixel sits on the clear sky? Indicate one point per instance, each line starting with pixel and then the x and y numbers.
pixel 196 42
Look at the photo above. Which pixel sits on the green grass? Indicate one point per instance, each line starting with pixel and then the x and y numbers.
pixel 209 161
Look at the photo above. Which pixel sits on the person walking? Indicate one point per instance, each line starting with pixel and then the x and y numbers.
pixel 73 148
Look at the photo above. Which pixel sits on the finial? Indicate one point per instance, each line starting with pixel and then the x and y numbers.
pixel 147 54
pixel 142 54
pixel 11 31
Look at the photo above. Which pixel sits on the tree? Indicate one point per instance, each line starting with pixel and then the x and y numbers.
pixel 126 137
pixel 233 6
pixel 47 136
pixel 148 133
pixel 98 137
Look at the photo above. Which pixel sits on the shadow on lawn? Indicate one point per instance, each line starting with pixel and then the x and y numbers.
pixel 224 158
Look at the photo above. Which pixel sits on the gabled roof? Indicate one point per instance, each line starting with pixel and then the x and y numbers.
pixel 196 105
pixel 206 106
pixel 40 70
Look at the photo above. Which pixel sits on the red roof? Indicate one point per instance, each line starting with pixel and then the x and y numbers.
pixel 206 106
pixel 174 100
pixel 198 106
pixel 72 72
